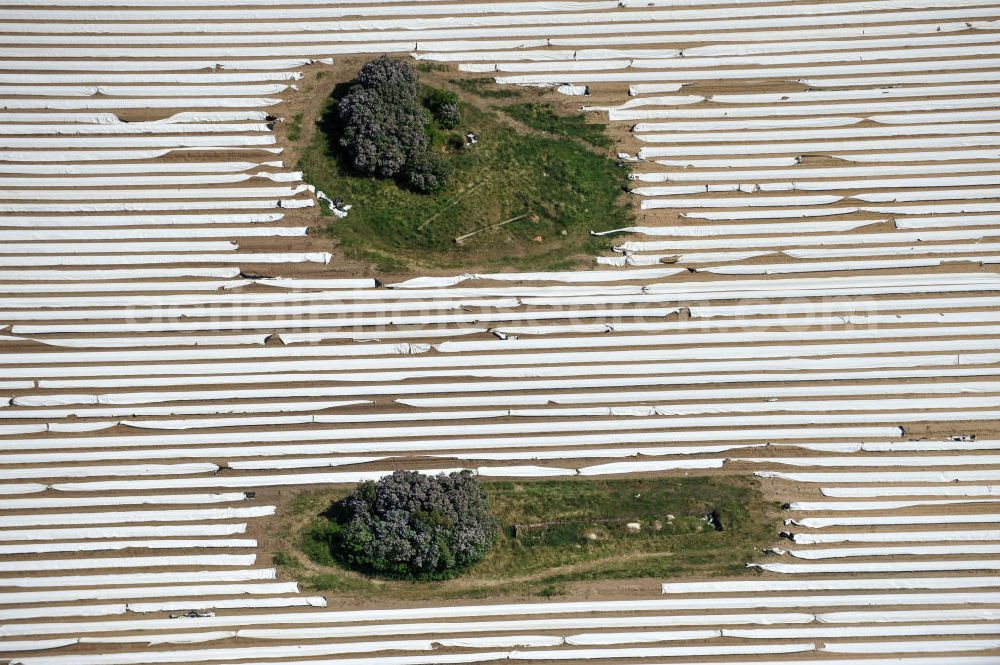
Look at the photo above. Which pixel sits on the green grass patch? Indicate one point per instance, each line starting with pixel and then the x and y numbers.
pixel 286 560
pixel 557 532
pixel 562 189
pixel 545 118
pixel 295 127
pixel 486 88
pixel 426 67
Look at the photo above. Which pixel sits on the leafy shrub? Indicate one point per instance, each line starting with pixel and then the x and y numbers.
pixel 426 172
pixel 409 525
pixel 443 105
pixel 384 126
pixel 448 116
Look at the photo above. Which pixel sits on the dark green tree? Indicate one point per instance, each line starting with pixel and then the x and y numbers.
pixel 384 126
pixel 410 525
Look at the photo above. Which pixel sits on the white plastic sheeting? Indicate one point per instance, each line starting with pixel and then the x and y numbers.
pixel 835 147
pixel 918 156
pixel 696 338
pixel 544 296
pixel 911 646
pixel 894 476
pixel 672 100
pixel 978 387
pixel 144 141
pixel 110 248
pixel 171 591
pixel 735 162
pixel 140 578
pixel 681 373
pixel 736 202
pixel 221 90
pixel 122 342
pixel 240 653
pixel 129 562
pixel 112 545
pixel 467 612
pixel 162 499
pixel 862 93
pixel 219 309
pixel 651 59
pixel 199 409
pixel 907 550
pixel 92 533
pixel 878 567
pixel 921 461
pixel 946 221
pixel 101 357
pixel 229 603
pixel 48 235
pixel 743 358
pixel 851 506
pixel 376 321
pixel 138 12
pixel 835 266
pixel 872 520
pixel 52 611
pixel 109 471
pixel 111 274
pixel 918 79
pixel 779 586
pixel 115 168
pixel 7 129
pixel 75 103
pixel 649 467
pixel 852 310
pixel 311 462
pixel 466 446
pixel 822 240
pixel 376 629
pixel 303 479
pixel 742 229
pixel 474 15
pixel 130 206
pixel 135 516
pixel 163 638
pixel 438 431
pixel 944 535
pixel 683 126
pixel 908 615
pixel 126 287
pixel 137 65
pixel 37 645
pixel 62 611
pixel 965 490
pixel 803 173
pixel 803 134
pixel 805 71
pixel 860 631
pixel 21 488
pixel 457 450
pixel 732 393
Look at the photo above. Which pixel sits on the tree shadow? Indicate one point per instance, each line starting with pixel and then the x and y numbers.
pixel 329 123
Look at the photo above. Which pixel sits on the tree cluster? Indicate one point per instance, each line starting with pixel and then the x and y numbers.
pixel 410 525
pixel 385 125
pixel 443 105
